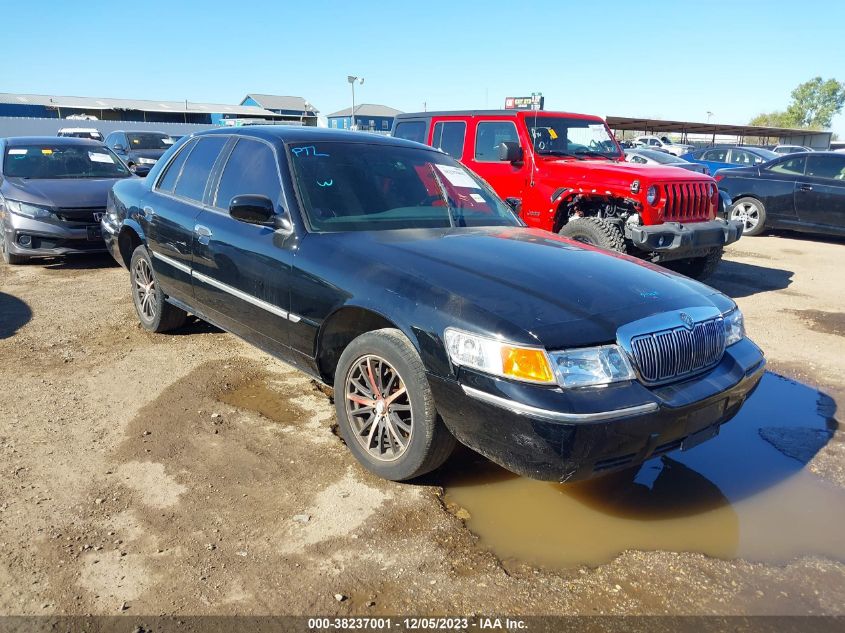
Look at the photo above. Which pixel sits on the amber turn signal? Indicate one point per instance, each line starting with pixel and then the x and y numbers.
pixel 526 364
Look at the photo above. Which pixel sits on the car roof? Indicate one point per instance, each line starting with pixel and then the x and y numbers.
pixel 130 131
pixel 17 141
pixel 307 134
pixel 510 113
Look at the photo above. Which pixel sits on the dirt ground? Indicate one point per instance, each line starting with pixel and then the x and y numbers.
pixel 191 474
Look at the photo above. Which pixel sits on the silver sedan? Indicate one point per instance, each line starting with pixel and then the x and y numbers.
pixel 653 157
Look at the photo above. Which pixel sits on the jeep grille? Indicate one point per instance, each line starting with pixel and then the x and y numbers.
pixel 685 201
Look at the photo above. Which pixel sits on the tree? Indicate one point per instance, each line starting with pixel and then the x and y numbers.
pixel 814 104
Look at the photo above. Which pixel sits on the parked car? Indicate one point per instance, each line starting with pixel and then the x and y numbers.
pixel 644 156
pixel 791 149
pixel 81 132
pixel 53 194
pixel 565 173
pixel 663 143
pixel 388 270
pixel 803 192
pixel 139 150
pixel 729 156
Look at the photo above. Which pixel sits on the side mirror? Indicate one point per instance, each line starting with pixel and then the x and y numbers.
pixel 252 209
pixel 510 152
pixel 119 148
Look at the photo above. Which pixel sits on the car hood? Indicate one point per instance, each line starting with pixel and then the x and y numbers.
pixel 526 282
pixel 60 192
pixel 620 174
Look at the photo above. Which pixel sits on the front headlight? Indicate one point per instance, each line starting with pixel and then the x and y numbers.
pixel 530 364
pixel 147 161
pixel 27 210
pixel 734 327
pixel 651 195
pixel 591 366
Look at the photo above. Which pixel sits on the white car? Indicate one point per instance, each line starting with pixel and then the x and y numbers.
pixel 664 143
pixel 81 132
pixel 791 149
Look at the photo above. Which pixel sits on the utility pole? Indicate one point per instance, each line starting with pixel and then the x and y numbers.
pixel 352 79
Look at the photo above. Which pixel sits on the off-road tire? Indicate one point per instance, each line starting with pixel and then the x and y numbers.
pixel 699 268
pixel 596 232
pixel 165 316
pixel 430 442
pixel 9 258
pixel 760 227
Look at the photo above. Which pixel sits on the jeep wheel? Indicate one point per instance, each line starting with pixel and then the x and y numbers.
pixel 385 407
pixel 699 268
pixel 596 232
pixel 751 213
pixel 8 257
pixel 155 314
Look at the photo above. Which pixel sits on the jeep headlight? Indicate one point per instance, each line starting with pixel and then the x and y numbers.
pixel 529 364
pixel 591 366
pixel 27 210
pixel 734 327
pixel 651 195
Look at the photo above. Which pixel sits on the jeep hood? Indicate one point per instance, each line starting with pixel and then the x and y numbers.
pixel 524 284
pixel 591 174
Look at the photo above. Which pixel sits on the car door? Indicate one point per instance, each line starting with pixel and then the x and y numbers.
pixel 482 156
pixel 820 194
pixel 169 212
pixel 242 271
pixel 776 185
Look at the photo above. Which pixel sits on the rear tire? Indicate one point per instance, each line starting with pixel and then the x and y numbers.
pixel 154 312
pixel 699 268
pixel 9 258
pixel 398 435
pixel 596 232
pixel 751 212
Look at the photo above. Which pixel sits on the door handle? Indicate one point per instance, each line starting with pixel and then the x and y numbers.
pixel 805 187
pixel 203 233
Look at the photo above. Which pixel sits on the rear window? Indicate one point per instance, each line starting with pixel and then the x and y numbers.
pixel 44 161
pixel 410 131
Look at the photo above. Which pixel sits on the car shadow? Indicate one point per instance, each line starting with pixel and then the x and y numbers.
pixel 808 237
pixel 14 314
pixel 738 279
pixel 78 262
pixel 194 325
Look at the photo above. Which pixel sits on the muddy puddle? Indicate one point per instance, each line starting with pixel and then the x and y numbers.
pixel 272 399
pixel 746 493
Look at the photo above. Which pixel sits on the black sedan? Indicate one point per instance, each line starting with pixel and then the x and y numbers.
pixel 802 192
pixel 53 194
pixel 386 269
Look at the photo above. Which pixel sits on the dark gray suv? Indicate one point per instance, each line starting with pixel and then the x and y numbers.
pixel 139 150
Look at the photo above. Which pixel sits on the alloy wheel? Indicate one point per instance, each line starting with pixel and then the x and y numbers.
pixel 145 289
pixel 748 213
pixel 379 408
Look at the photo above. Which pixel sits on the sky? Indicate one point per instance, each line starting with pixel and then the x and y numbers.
pixel 670 59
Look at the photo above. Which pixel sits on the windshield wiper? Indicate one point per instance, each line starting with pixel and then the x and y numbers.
pixel 596 154
pixel 555 152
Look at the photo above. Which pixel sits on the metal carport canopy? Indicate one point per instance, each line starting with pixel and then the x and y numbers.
pixel 690 127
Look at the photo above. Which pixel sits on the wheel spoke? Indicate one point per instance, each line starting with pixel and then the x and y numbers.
pixel 365 402
pixel 398 393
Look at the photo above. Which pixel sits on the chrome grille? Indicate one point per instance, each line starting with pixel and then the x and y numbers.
pixel 675 353
pixel 686 201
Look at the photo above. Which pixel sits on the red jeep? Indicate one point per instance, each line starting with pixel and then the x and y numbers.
pixel 566 173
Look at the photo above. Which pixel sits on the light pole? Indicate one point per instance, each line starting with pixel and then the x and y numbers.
pixel 709 116
pixel 352 81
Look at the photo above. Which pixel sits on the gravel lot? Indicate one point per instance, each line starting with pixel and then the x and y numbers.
pixel 192 474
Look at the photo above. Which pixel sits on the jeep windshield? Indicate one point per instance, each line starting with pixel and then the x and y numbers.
pixel 62 161
pixel 370 187
pixel 562 136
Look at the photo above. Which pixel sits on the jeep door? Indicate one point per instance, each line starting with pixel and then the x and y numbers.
pixel 481 154
pixel 241 270
pixel 820 194
pixel 169 212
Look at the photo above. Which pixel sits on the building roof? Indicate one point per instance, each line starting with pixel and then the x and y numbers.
pixel 368 109
pixel 146 105
pixel 281 102
pixel 662 126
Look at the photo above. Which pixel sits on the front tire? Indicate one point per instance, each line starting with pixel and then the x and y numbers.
pixel 385 408
pixel 154 312
pixel 596 232
pixel 699 268
pixel 9 258
pixel 751 212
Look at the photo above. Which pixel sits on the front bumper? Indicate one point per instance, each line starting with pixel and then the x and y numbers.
pixel 674 240
pixel 566 435
pixel 51 239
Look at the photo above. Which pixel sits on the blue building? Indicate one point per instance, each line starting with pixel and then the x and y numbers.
pixel 290 108
pixel 146 110
pixel 368 117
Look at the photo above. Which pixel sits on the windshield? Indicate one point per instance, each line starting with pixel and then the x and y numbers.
pixel 62 161
pixel 149 140
pixel 362 187
pixel 562 135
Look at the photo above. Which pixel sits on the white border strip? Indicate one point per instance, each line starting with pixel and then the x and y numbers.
pixel 168 260
pixel 560 416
